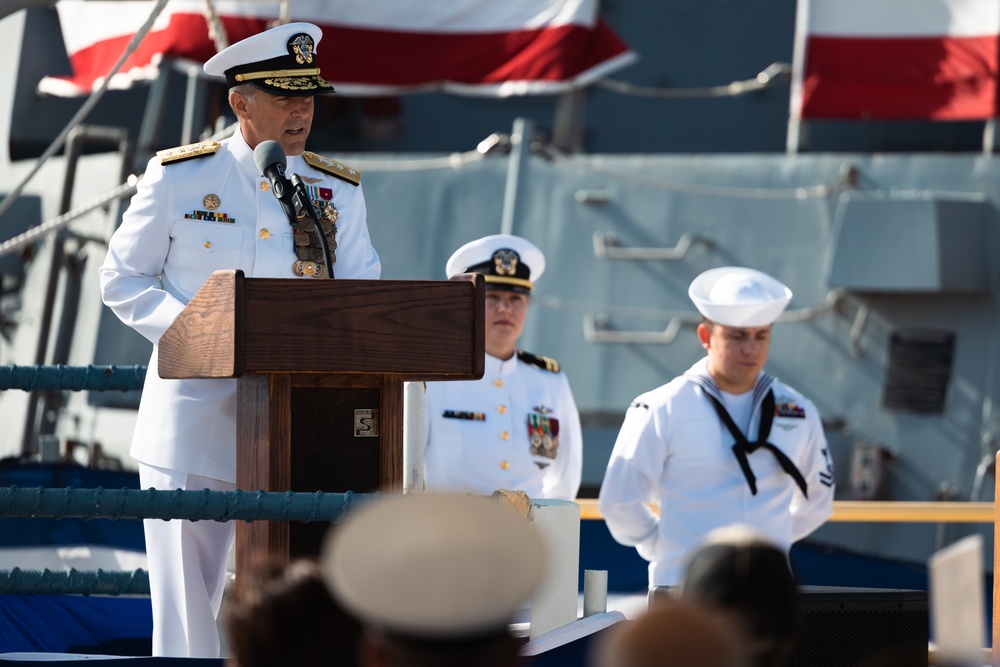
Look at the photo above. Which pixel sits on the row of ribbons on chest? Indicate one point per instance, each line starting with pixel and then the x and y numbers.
pixel 742 448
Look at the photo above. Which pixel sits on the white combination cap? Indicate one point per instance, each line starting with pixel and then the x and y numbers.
pixel 434 566
pixel 507 262
pixel 735 296
pixel 280 61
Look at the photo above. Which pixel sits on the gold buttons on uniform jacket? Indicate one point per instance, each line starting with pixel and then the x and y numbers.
pixel 504 465
pixel 265 233
pixel 502 409
pixel 208 244
pixel 265 186
pixel 498 382
pixel 504 435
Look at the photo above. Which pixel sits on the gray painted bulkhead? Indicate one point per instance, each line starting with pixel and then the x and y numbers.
pixel 417 218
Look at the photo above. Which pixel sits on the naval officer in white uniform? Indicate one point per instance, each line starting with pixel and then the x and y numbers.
pixel 518 427
pixel 724 443
pixel 198 209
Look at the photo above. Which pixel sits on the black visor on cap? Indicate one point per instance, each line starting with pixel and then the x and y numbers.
pixel 293 75
pixel 505 271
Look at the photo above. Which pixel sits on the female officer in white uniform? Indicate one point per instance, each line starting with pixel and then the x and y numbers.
pixel 517 427
pixel 198 209
pixel 724 443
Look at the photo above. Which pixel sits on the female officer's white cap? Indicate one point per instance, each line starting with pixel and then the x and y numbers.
pixel 507 262
pixel 735 296
pixel 281 61
pixel 433 566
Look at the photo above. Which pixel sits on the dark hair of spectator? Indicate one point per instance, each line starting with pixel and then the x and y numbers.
pixel 750 578
pixel 283 614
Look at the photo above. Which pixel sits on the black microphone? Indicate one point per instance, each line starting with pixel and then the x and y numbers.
pixel 270 160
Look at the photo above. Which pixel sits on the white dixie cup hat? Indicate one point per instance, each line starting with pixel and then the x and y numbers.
pixel 736 296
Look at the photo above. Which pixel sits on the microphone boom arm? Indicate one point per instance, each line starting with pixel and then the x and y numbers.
pixel 283 192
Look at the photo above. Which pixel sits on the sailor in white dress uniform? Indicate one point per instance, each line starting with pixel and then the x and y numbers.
pixel 198 209
pixel 518 427
pixel 723 444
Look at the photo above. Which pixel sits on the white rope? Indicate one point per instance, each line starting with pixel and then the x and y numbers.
pixel 284 12
pixel 57 223
pixel 774 73
pixel 216 29
pixel 91 102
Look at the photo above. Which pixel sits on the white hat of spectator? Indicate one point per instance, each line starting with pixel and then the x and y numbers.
pixel 735 296
pixel 434 566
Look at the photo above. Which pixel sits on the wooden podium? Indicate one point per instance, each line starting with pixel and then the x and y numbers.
pixel 320 366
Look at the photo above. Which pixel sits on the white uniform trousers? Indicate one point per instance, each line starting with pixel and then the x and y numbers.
pixel 187 570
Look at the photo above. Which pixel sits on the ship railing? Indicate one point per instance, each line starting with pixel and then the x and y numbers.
pixel 206 505
pixel 291 506
pixel 196 505
pixel 132 504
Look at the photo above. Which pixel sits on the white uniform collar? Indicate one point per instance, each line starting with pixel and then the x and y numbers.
pixel 244 157
pixel 698 374
pixel 242 152
pixel 495 366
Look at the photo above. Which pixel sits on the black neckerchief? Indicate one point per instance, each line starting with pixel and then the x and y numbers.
pixel 742 447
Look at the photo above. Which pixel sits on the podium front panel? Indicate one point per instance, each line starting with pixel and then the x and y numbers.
pixel 335 447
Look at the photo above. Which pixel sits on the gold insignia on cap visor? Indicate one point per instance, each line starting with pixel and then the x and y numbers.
pixel 282 61
pixel 505 261
pixel 301 46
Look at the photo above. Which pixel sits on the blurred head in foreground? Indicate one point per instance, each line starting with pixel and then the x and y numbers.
pixel 284 614
pixel 672 634
pixel 742 573
pixel 434 578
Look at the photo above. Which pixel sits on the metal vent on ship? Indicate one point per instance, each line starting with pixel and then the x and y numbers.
pixel 919 370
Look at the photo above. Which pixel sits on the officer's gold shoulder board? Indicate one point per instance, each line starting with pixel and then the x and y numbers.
pixel 332 167
pixel 545 363
pixel 181 153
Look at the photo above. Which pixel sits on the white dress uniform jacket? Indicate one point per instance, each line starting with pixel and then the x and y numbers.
pixel 166 248
pixel 516 428
pixel 674 450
